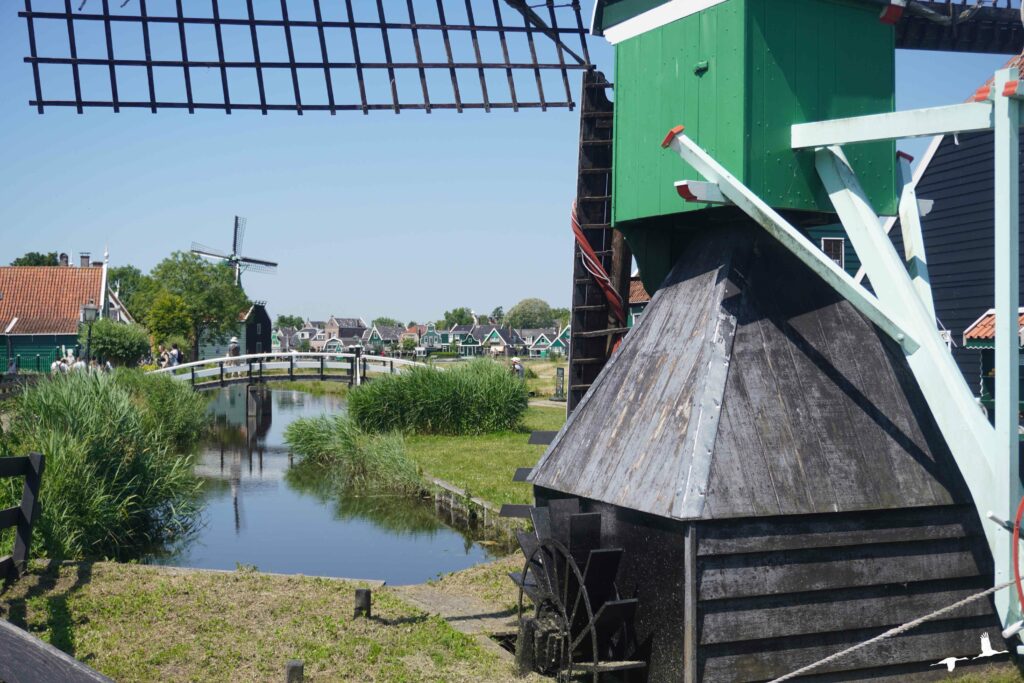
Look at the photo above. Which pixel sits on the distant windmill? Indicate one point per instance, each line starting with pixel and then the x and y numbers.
pixel 235 259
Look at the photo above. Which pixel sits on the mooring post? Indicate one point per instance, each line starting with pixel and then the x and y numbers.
pixel 294 671
pixel 363 607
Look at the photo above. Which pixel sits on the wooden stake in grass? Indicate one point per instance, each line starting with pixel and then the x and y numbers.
pixel 363 599
pixel 294 671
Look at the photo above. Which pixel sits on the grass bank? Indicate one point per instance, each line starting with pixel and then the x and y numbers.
pixel 314 387
pixel 540 376
pixel 140 623
pixel 483 465
pixel 116 481
pixel 343 453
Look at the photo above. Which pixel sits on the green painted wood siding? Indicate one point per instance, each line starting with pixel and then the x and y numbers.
pixel 612 12
pixel 770 64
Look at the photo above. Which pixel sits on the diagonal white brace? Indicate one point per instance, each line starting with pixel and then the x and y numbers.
pixel 752 205
pixel 913 239
pixel 970 437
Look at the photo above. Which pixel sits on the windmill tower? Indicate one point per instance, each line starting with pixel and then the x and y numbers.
pixel 235 259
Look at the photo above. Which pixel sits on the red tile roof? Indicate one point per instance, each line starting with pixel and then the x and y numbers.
pixel 46 299
pixel 637 293
pixel 985 327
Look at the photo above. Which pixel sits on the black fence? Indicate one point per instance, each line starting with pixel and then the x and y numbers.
pixel 21 517
pixel 304 55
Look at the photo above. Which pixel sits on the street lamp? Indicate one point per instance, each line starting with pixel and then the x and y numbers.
pixel 87 314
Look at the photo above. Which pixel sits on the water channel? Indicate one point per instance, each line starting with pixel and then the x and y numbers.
pixel 262 509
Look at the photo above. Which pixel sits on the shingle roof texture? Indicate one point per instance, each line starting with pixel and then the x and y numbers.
pixel 46 299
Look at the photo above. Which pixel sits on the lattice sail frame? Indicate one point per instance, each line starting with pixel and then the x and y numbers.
pixel 328 55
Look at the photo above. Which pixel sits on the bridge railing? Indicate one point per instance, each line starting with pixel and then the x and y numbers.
pixel 350 367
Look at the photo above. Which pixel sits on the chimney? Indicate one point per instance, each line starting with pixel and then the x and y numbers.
pixel 83 259
pixel 64 260
pixel 97 264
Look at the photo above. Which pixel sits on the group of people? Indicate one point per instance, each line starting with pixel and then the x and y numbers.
pixel 69 363
pixel 168 358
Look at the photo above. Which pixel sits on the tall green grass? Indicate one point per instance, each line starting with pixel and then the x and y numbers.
pixel 115 480
pixel 352 458
pixel 479 397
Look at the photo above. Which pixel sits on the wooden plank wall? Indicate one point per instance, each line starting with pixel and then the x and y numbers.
pixel 777 594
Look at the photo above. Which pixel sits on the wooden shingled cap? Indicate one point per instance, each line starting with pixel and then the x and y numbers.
pixel 750 388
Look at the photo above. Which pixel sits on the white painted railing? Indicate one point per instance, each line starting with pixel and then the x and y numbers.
pixel 278 366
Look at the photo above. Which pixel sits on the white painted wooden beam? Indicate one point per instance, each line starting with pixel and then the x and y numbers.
pixel 957 118
pixel 914 256
pixel 700 192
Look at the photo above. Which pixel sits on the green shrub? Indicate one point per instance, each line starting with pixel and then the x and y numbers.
pixel 472 398
pixel 119 343
pixel 175 412
pixel 352 457
pixel 115 482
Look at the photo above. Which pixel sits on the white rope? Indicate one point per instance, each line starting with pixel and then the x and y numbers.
pixel 893 632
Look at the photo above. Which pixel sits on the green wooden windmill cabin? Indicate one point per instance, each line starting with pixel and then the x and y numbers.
pixel 738 74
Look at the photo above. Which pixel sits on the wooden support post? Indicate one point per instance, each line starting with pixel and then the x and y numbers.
pixel 321 368
pixel 294 671
pixel 261 369
pixel 363 606
pixel 291 368
pixel 221 373
pixel 29 511
pixel 690 605
pixel 193 373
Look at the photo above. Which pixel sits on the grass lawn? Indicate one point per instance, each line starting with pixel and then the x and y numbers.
pixel 141 623
pixel 543 386
pixel 314 387
pixel 484 465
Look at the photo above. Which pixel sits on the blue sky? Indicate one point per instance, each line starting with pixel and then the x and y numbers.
pixel 402 215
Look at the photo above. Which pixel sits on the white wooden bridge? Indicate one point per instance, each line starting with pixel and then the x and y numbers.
pixel 351 368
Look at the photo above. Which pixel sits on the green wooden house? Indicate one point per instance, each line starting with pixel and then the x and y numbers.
pixel 980 336
pixel 40 309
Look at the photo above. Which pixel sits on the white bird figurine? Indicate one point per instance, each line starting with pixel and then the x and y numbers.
pixel 950 662
pixel 986 648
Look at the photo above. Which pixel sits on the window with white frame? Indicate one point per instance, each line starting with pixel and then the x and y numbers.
pixel 835 248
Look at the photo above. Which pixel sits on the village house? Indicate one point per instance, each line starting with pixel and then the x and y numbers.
pixel 41 308
pixel 254 334
pixel 638 300
pixel 384 337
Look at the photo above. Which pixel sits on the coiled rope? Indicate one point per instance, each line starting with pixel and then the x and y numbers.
pixel 593 265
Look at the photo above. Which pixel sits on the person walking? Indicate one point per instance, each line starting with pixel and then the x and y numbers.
pixel 175 355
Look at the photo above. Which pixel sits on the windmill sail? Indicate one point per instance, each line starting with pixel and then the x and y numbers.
pixel 343 55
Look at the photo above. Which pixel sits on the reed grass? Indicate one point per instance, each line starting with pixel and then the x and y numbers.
pixel 337 447
pixel 115 480
pixel 479 397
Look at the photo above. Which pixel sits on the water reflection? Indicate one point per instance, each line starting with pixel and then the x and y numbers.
pixel 266 507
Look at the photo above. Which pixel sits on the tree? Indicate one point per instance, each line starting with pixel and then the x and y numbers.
pixel 408 344
pixel 303 346
pixel 458 316
pixel 530 313
pixel 168 317
pixel 213 301
pixel 498 315
pixel 128 281
pixel 384 321
pixel 295 321
pixel 119 343
pixel 561 316
pixel 35 258
pixel 412 323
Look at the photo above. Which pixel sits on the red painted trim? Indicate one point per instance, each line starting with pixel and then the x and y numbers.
pixel 904 155
pixel 983 93
pixel 891 14
pixel 1010 89
pixel 672 136
pixel 686 193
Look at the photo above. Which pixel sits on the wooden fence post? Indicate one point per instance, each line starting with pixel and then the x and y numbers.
pixel 294 671
pixel 29 511
pixel 291 368
pixel 221 373
pixel 321 368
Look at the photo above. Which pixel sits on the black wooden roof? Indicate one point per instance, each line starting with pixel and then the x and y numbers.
pixel 750 388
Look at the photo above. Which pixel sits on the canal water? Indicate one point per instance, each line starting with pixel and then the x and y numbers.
pixel 263 509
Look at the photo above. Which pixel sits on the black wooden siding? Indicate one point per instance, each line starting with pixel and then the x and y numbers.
pixel 959 237
pixel 778 594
